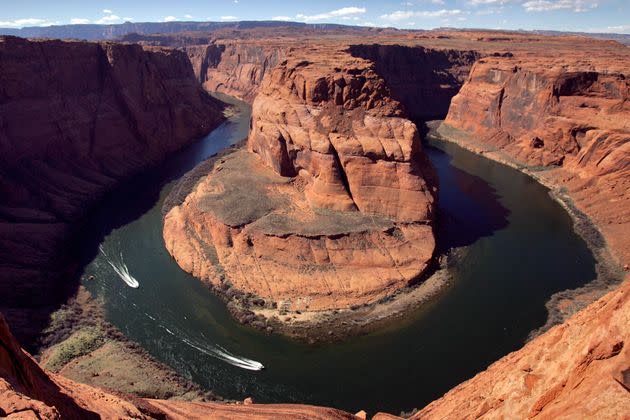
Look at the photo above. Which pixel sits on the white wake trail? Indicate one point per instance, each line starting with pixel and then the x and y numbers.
pixel 121 269
pixel 220 353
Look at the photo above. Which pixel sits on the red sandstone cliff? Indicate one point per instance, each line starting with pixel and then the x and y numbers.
pixel 234 68
pixel 423 79
pixel 570 116
pixel 75 119
pixel 333 205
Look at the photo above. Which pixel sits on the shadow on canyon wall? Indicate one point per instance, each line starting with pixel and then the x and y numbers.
pixel 423 80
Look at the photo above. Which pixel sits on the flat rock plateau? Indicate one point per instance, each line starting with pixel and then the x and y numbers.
pixel 330 203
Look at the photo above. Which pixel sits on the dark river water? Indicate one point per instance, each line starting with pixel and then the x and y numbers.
pixel 516 247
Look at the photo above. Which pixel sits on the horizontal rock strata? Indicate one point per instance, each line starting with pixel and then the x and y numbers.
pixel 234 68
pixel 329 207
pixel 568 122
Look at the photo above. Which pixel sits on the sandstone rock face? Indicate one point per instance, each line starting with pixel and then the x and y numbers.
pixel 567 121
pixel 340 130
pixel 571 116
pixel 544 116
pixel 423 79
pixel 27 391
pixel 580 368
pixel 330 208
pixel 75 119
pixel 233 68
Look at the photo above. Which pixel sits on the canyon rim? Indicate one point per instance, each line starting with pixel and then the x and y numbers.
pixel 320 223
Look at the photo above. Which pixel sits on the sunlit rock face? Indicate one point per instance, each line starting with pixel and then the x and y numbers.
pixel 329 207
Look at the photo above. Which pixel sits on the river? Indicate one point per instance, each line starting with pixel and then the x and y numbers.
pixel 515 247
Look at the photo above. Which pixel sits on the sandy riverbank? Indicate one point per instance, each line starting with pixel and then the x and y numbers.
pixel 80 345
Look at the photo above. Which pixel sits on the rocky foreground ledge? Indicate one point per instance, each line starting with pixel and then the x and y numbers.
pixel 29 392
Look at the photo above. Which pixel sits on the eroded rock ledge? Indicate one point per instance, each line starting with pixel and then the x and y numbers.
pixel 330 205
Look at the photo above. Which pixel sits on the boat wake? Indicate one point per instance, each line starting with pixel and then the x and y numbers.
pixel 215 350
pixel 219 353
pixel 121 269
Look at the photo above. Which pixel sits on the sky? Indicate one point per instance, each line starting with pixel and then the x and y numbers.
pixel 563 15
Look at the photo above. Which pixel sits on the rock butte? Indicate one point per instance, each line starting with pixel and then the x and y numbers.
pixel 555 102
pixel 328 208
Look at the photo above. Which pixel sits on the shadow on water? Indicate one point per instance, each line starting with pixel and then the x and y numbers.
pixel 142 192
pixel 468 206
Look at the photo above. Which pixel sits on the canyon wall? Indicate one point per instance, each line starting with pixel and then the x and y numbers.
pixel 423 79
pixel 330 206
pixel 75 119
pixel 234 68
pixel 567 121
pixel 543 116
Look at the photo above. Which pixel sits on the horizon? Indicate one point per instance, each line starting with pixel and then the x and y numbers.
pixel 511 15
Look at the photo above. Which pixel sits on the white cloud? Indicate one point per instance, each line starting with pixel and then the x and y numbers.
pixel 107 20
pixel 18 23
pixel 622 29
pixel 188 16
pixel 108 12
pixel 281 18
pixel 404 15
pixel 614 29
pixel 225 18
pixel 79 21
pixel 493 2
pixel 128 19
pixel 548 5
pixel 169 19
pixel 333 14
pixel 489 11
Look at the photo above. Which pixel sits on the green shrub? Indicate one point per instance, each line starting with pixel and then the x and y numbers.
pixel 78 344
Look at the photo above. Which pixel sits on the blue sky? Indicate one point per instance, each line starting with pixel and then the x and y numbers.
pixel 571 15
